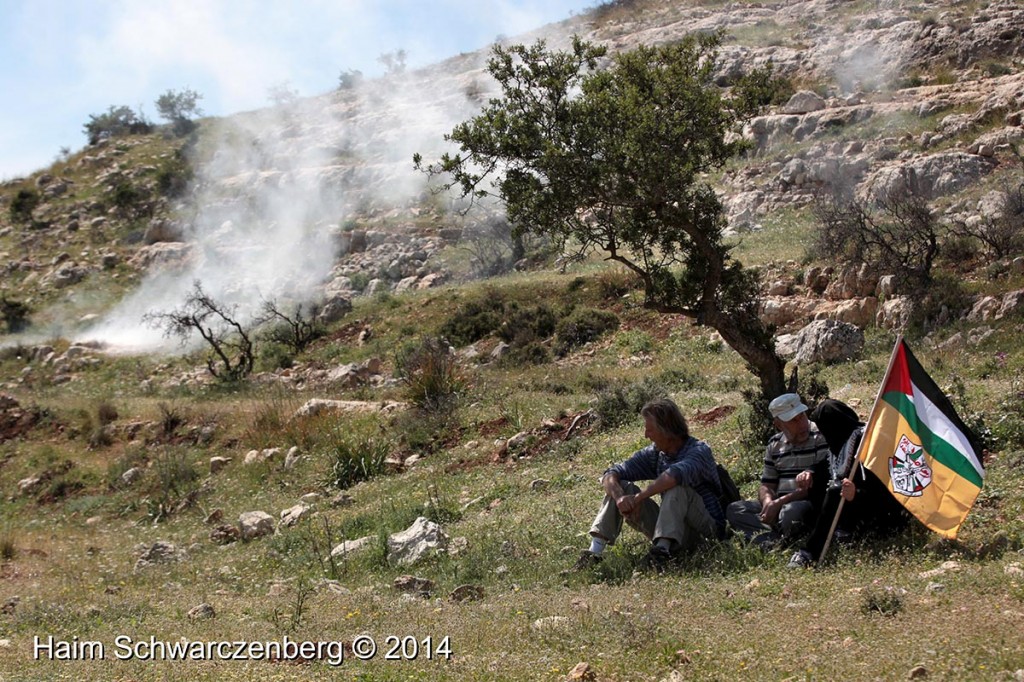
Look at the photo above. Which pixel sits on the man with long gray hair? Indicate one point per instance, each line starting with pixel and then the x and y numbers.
pixel 682 470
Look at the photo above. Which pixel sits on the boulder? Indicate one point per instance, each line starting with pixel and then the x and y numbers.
pixel 895 313
pixel 828 341
pixel 803 102
pixel 334 309
pixel 422 538
pixel 985 309
pixel 292 515
pixel 1013 304
pixel 201 612
pixel 225 534
pixel 254 524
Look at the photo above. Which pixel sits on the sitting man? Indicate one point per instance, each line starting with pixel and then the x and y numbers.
pixel 783 508
pixel 682 470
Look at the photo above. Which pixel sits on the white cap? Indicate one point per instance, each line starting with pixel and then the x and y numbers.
pixel 787 406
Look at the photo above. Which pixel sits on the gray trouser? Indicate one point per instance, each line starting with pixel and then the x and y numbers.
pixel 745 516
pixel 682 517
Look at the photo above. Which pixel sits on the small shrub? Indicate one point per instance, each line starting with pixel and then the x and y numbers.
pixel 22 205
pixel 174 175
pixel 8 543
pixel 1008 429
pixel 474 320
pixel 524 325
pixel 354 457
pixel 171 418
pixel 582 326
pixel 620 404
pixel 886 601
pixel 15 314
pixel 431 375
pixel 529 353
pixel 115 122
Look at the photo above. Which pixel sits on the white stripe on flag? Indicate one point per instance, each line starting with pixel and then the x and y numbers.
pixel 939 424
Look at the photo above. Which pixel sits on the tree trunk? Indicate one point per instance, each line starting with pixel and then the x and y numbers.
pixel 760 356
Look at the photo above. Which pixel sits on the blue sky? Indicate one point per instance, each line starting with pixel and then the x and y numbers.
pixel 66 59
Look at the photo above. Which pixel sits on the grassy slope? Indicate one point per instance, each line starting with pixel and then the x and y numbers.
pixel 732 611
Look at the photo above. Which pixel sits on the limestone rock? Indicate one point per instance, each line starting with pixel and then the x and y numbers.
pixel 160 552
pixel 412 584
pixel 225 534
pixel 254 524
pixel 349 546
pixel 828 341
pixel 423 537
pixel 201 612
pixel 217 464
pixel 803 102
pixel 292 515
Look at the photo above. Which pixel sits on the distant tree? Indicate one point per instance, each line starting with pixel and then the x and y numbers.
pixel 616 160
pixel 179 109
pixel 292 329
pixel 116 121
pixel 349 79
pixel 281 94
pixel 231 344
pixel 394 62
pixel 895 233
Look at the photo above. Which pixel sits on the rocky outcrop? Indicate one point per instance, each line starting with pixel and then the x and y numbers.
pixel 825 341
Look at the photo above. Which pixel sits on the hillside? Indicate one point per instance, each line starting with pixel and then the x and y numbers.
pixel 143 497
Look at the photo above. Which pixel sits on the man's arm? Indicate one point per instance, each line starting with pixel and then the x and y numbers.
pixel 659 485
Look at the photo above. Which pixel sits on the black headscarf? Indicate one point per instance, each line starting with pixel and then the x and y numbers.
pixel 836 421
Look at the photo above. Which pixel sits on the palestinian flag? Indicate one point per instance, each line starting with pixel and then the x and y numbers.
pixel 917 445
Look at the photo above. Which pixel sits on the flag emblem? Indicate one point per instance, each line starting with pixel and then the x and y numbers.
pixel 908 469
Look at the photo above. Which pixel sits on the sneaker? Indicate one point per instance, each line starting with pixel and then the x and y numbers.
pixel 658 558
pixel 585 562
pixel 767 541
pixel 801 559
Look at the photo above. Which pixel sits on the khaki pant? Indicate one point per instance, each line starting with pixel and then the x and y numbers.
pixel 681 517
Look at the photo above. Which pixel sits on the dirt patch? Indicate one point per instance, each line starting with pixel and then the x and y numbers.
pixel 714 415
pixel 15 420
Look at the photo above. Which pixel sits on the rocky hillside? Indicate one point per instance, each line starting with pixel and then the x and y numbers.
pixel 317 200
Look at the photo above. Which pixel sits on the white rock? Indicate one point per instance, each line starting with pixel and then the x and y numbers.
pixel 254 524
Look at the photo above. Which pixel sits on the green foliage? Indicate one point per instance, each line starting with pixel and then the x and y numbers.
pixel 886 601
pixel 354 455
pixel 1008 428
pixel 431 375
pixel 174 175
pixel 759 88
pixel 620 404
pixel 15 314
pixel 179 108
pixel 117 121
pixel 473 320
pixel 616 160
pixel 22 205
pixel 582 326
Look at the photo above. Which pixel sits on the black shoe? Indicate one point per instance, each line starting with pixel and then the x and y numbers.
pixel 586 561
pixel 658 559
pixel 766 542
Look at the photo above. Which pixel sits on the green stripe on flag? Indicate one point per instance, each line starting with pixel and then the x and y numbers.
pixel 935 446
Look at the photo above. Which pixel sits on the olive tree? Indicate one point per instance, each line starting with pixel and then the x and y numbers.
pixel 616 159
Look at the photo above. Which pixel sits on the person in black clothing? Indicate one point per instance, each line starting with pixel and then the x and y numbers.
pixel 868 505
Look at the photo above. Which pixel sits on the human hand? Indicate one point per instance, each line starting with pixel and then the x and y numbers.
pixel 626 504
pixel 804 480
pixel 849 490
pixel 770 512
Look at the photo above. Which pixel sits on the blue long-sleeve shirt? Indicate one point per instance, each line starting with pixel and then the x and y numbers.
pixel 692 465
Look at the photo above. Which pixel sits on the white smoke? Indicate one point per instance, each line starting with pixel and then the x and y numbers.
pixel 270 201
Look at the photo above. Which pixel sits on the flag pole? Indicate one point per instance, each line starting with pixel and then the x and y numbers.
pixel 860 448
